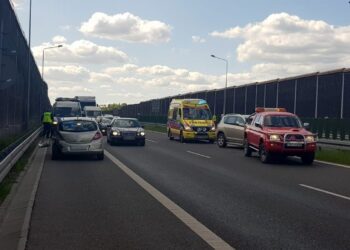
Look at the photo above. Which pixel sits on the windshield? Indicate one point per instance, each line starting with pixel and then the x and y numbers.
pixel 197 114
pixel 66 111
pixel 282 121
pixel 106 121
pixel 78 126
pixel 126 124
pixel 93 113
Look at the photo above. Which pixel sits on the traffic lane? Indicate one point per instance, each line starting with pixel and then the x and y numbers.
pixel 244 209
pixel 88 204
pixel 290 171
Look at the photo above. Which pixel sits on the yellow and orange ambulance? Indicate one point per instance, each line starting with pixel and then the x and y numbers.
pixel 190 119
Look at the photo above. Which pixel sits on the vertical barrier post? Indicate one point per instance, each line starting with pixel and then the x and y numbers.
pixel 278 86
pixel 316 101
pixel 342 96
pixel 295 95
pixel 264 94
pixel 256 95
pixel 245 100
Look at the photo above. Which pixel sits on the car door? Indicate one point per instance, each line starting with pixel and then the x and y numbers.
pixel 238 130
pixel 255 133
pixel 229 127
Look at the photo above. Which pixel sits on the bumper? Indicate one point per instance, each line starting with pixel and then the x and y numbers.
pixel 190 135
pixel 120 139
pixel 281 148
pixel 88 148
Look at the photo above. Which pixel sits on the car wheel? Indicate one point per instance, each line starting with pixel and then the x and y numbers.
pixel 308 159
pixel 265 157
pixel 182 139
pixel 221 140
pixel 100 156
pixel 170 135
pixel 247 150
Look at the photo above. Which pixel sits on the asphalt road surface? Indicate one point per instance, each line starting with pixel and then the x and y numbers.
pixel 82 203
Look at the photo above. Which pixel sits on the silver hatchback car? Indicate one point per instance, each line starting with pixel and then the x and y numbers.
pixel 77 135
pixel 230 130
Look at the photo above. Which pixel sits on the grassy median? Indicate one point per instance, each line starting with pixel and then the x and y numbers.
pixel 12 176
pixel 157 128
pixel 340 156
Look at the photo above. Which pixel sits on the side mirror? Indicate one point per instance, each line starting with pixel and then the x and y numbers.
pixel 258 125
pixel 142 126
pixel 109 125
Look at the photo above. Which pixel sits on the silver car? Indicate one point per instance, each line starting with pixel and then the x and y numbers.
pixel 230 130
pixel 126 130
pixel 77 135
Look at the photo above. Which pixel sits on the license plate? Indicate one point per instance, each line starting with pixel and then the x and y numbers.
pixel 79 148
pixel 129 138
pixel 295 144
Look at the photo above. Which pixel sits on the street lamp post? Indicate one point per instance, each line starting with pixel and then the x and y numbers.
pixel 224 106
pixel 43 59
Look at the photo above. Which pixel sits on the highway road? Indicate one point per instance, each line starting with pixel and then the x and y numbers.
pixel 87 204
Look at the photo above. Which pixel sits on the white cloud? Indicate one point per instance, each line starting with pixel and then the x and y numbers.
pixel 68 73
pixel 287 39
pixel 81 51
pixel 59 39
pixel 126 27
pixel 198 39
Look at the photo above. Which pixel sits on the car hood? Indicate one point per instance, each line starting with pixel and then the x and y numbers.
pixel 287 131
pixel 78 137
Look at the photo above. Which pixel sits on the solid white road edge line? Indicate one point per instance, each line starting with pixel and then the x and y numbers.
pixel 194 153
pixel 202 231
pixel 332 164
pixel 326 192
pixel 151 140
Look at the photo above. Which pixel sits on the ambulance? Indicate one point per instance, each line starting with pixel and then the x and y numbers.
pixel 190 119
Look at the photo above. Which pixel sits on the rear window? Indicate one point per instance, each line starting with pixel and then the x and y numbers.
pixel 78 126
pixel 66 111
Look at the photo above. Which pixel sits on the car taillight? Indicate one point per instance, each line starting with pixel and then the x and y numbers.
pixel 97 136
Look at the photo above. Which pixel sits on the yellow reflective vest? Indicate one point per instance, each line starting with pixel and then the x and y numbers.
pixel 47 117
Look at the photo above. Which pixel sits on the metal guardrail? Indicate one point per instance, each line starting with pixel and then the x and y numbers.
pixel 10 160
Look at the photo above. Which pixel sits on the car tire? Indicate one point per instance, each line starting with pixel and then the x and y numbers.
pixel 221 140
pixel 308 159
pixel 100 156
pixel 170 136
pixel 182 139
pixel 247 150
pixel 265 157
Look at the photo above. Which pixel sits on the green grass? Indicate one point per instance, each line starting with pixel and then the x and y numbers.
pixel 157 128
pixel 340 156
pixel 11 178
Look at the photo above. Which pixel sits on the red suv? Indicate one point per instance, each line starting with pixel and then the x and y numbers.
pixel 277 132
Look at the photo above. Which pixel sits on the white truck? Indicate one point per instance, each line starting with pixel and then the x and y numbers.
pixel 93 112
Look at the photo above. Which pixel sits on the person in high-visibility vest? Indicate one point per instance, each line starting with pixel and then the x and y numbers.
pixel 47 120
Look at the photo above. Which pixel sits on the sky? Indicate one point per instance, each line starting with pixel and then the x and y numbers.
pixel 132 51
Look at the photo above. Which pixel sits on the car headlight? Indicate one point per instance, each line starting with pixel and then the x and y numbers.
pixel 275 138
pixel 213 129
pixel 54 123
pixel 115 133
pixel 310 138
pixel 187 128
pixel 142 133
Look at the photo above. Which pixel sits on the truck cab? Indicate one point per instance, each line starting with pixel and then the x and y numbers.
pixel 276 132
